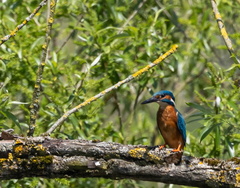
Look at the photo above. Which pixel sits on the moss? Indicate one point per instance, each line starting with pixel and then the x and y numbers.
pixel 217 179
pixel 212 162
pixel 222 177
pixel 96 141
pixel 153 157
pixel 43 159
pixel 2 160
pixel 237 180
pixel 34 163
pixel 104 166
pixel 10 156
pixel 236 160
pixel 143 153
pixel 20 157
pixel 18 149
pixel 18 141
pixel 40 149
pixel 137 153
pixel 21 149
pixel 41 162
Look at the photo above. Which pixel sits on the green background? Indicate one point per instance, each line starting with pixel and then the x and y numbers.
pixel 97 43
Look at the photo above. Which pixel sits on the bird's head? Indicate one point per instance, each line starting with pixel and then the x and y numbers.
pixel 162 97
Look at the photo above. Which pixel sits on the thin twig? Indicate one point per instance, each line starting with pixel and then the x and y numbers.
pixel 128 79
pixel 119 112
pixel 132 15
pixel 174 19
pixel 13 33
pixel 69 36
pixel 34 107
pixel 223 31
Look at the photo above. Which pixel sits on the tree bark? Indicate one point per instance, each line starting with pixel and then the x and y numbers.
pixel 56 158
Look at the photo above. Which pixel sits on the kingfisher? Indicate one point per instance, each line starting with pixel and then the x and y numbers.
pixel 169 120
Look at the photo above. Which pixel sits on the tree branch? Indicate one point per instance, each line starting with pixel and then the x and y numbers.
pixel 52 158
pixel 94 98
pixel 223 31
pixel 34 107
pixel 13 33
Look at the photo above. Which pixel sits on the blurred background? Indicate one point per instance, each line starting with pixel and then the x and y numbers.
pixel 97 43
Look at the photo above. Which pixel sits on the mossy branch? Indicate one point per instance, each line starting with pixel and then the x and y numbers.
pixel 128 79
pixel 223 31
pixel 56 158
pixel 34 106
pixel 13 33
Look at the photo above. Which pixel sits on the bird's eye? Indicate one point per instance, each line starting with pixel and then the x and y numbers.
pixel 159 96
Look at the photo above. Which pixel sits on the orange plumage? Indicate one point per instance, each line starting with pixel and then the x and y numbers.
pixel 167 124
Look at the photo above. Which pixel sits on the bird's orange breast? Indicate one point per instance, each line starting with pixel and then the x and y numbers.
pixel 167 123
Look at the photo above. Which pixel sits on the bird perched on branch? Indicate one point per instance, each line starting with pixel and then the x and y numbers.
pixel 169 120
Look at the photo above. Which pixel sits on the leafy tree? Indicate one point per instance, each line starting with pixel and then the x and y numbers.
pixel 95 44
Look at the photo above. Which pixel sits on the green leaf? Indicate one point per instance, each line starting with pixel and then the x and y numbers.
pixel 2 66
pixel 37 42
pixel 230 147
pixel 193 120
pixel 119 36
pixel 207 130
pixel 199 107
pixel 18 102
pixel 12 117
pixel 234 66
pixel 74 121
pixel 96 60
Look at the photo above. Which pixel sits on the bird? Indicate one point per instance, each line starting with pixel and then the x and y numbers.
pixel 169 120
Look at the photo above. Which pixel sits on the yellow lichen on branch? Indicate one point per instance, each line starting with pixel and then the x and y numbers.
pixel 34 106
pixel 137 153
pixel 102 93
pixel 157 61
pixel 223 31
pixel 13 33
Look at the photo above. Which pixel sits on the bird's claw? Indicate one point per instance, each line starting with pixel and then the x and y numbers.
pixel 178 149
pixel 162 146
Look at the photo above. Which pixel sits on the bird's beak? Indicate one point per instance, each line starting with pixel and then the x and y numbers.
pixel 153 99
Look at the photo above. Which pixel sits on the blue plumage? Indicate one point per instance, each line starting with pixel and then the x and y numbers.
pixel 165 92
pixel 181 126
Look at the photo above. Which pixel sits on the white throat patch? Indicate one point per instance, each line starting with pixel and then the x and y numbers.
pixel 172 101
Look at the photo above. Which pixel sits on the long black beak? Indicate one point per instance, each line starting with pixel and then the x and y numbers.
pixel 153 99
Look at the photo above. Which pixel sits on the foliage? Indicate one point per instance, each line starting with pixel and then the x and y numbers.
pixel 107 42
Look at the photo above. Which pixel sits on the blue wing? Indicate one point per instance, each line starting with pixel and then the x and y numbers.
pixel 181 126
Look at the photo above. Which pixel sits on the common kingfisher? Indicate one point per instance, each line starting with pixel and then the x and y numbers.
pixel 169 120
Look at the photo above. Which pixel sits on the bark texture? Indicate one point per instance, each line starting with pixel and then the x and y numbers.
pixel 52 158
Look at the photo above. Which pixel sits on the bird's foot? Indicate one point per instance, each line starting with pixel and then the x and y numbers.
pixel 162 146
pixel 178 149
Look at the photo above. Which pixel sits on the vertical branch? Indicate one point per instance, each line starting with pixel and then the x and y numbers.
pixel 13 33
pixel 119 112
pixel 223 31
pixel 69 36
pixel 34 107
